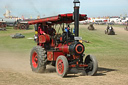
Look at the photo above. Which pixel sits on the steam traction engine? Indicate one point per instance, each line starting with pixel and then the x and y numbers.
pixel 64 51
pixel 22 25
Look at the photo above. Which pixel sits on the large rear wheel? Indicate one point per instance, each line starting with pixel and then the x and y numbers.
pixel 62 66
pixel 92 65
pixel 23 26
pixel 38 59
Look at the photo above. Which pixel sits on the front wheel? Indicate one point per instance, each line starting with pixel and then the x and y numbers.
pixel 92 65
pixel 62 66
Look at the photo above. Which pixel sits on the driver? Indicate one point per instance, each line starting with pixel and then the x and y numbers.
pixel 51 30
pixel 40 30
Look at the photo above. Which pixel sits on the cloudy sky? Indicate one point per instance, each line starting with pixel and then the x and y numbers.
pixel 93 8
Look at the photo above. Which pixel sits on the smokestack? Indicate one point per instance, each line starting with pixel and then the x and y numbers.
pixel 76 16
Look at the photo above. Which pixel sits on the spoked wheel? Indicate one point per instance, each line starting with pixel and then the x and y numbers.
pixel 38 59
pixel 22 27
pixel 62 66
pixel 92 65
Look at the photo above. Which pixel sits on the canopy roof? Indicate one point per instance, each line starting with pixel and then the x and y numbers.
pixel 59 19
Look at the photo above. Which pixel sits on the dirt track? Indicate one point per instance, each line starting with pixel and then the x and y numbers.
pixel 15 70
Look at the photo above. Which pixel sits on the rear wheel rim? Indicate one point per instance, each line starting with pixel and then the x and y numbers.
pixel 60 66
pixel 34 60
pixel 23 27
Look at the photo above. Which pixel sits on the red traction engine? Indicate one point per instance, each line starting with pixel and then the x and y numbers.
pixel 64 51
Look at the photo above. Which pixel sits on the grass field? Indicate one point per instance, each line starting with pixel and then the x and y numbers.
pixel 111 51
pixel 7 43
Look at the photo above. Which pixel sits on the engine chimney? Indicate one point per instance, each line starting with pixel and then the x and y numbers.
pixel 76 16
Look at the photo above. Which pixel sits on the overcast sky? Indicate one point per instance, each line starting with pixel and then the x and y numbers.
pixel 93 8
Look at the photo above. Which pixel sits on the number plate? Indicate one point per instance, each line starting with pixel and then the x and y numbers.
pixel 77 38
